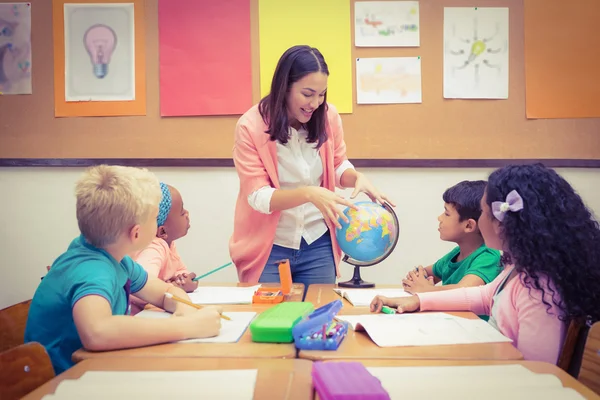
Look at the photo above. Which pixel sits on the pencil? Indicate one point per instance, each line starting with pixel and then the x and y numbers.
pixel 189 303
pixel 211 272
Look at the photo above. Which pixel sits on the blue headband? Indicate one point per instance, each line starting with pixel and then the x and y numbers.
pixel 164 208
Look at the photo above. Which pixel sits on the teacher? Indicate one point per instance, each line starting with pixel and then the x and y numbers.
pixel 289 153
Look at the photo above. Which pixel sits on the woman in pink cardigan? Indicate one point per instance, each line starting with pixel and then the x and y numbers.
pixel 290 155
pixel 551 246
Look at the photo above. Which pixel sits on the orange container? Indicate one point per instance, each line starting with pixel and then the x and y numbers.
pixel 274 295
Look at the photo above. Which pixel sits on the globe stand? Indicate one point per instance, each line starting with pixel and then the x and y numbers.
pixel 356 281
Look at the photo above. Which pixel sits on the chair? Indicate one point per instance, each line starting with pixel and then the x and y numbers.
pixel 569 359
pixel 12 325
pixel 24 369
pixel 589 374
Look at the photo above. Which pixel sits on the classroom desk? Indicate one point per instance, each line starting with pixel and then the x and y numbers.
pixel 276 379
pixel 358 345
pixel 244 348
pixel 535 366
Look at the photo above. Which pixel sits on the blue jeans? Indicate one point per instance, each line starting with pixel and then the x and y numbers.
pixel 311 264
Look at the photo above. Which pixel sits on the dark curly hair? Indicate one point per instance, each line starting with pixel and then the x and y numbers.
pixel 554 236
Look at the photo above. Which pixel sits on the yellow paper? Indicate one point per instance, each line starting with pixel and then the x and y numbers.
pixel 324 24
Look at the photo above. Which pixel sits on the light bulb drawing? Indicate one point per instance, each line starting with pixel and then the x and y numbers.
pixel 476 51
pixel 100 42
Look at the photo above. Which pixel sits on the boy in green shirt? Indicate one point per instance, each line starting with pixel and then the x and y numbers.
pixel 471 263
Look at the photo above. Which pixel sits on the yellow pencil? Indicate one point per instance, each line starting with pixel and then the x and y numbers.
pixel 189 303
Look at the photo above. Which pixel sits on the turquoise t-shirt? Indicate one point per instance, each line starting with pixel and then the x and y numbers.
pixel 81 271
pixel 483 262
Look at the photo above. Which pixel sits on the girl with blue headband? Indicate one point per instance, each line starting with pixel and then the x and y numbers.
pixel 161 259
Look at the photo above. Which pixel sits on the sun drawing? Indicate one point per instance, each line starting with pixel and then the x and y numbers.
pixel 476 51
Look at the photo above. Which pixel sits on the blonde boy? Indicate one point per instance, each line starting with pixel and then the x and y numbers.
pixel 84 298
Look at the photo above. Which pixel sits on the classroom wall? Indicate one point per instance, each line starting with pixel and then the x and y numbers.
pixel 436 129
pixel 37 215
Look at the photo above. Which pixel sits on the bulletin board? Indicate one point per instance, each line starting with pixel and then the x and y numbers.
pixel 437 129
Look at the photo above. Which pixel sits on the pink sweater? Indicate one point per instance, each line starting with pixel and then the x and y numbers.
pixel 161 260
pixel 255 158
pixel 521 316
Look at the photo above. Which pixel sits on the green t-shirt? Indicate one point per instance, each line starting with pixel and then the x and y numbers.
pixel 483 262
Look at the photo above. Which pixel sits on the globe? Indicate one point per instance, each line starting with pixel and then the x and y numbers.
pixel 369 237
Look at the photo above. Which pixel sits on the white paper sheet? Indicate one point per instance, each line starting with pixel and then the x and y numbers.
pixel 475 53
pixel 471 382
pixel 223 295
pixel 428 329
pixel 357 321
pixel 213 384
pixel 231 331
pixel 391 80
pixel 363 297
pixel 15 48
pixel 99 52
pixel 386 23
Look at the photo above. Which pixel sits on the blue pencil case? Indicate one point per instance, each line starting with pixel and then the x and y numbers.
pixel 320 330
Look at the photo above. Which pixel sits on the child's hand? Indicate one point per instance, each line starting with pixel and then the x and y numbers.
pixel 402 304
pixel 204 323
pixel 416 281
pixel 185 281
pixel 188 284
pixel 418 272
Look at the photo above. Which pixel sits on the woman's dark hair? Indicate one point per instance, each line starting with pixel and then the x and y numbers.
pixel 553 237
pixel 466 197
pixel 294 64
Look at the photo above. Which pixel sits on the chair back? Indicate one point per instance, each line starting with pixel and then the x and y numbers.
pixel 12 325
pixel 24 369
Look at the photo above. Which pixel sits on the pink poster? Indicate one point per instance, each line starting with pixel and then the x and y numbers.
pixel 205 60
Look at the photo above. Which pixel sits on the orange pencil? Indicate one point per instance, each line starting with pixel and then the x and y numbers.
pixel 189 303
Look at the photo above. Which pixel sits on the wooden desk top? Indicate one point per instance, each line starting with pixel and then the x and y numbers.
pixel 277 379
pixel 358 345
pixel 535 366
pixel 244 348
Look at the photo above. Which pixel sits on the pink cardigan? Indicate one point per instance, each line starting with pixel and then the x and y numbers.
pixel 255 158
pixel 521 316
pixel 161 260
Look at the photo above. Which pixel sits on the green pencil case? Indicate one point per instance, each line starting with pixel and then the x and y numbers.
pixel 275 325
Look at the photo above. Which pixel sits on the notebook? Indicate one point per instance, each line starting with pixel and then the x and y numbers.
pixel 490 382
pixel 429 329
pixel 150 385
pixel 363 297
pixel 223 295
pixel 231 331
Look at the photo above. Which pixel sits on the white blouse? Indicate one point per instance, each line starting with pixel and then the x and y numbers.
pixel 298 164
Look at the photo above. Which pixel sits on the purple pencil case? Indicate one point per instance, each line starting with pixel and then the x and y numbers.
pixel 346 381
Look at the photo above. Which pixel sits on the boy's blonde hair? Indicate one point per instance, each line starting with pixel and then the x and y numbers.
pixel 112 199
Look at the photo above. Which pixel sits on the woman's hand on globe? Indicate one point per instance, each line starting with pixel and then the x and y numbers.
pixel 365 186
pixel 327 202
pixel 401 304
